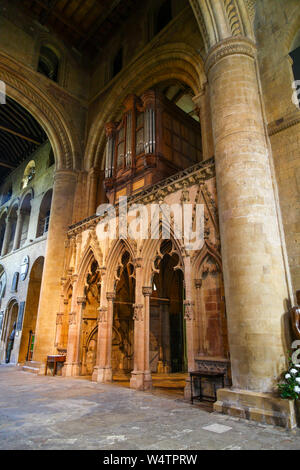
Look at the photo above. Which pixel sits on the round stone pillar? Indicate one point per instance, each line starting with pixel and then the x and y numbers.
pixel 60 219
pixel 253 267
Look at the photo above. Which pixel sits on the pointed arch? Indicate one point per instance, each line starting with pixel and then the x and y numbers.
pixel 113 260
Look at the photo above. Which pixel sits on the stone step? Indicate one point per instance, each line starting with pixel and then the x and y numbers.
pixel 31 366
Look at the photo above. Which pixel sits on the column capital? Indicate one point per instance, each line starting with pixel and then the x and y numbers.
pixel 147 291
pixel 228 47
pixel 110 296
pixel 81 300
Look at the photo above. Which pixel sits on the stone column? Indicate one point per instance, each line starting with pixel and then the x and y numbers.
pixel 103 370
pixel 60 219
pixel 19 227
pixel 253 268
pixel 72 364
pixel 6 235
pixel 140 376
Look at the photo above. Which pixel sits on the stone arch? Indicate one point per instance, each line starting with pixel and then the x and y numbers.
pixel 151 252
pixel 11 316
pixel 171 61
pixel 45 109
pixel 14 204
pixel 44 213
pixel 294 28
pixel 86 260
pixel 27 191
pixel 113 260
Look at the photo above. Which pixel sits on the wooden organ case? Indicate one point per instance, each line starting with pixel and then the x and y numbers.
pixel 153 140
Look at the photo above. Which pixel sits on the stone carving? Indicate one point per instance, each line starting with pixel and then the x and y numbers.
pixel 230 47
pixel 138 313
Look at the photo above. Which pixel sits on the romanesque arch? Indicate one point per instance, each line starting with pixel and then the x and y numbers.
pixel 171 61
pixel 46 110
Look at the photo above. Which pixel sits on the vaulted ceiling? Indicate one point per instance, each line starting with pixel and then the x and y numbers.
pixel 83 24
pixel 20 136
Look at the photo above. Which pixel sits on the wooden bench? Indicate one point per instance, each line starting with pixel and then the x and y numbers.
pixel 210 375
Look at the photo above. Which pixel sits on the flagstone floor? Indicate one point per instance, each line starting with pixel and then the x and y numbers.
pixel 38 412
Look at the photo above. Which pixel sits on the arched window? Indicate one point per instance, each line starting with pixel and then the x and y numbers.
pixel 2 231
pixel 51 159
pixel 7 193
pixel 13 224
pixel 2 284
pixel 25 216
pixel 117 62
pixel 163 16
pixel 44 215
pixel 28 174
pixel 49 62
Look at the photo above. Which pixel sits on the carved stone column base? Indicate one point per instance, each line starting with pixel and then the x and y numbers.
pixel 71 369
pixel 102 375
pixel 187 388
pixel 141 380
pixel 261 407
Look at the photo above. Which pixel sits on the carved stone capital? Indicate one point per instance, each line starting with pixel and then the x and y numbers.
pixel 231 46
pixel 110 296
pixel 147 291
pixel 81 301
pixel 138 262
pixel 138 313
pixel 198 283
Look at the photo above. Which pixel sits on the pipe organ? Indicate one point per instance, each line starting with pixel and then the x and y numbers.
pixel 153 140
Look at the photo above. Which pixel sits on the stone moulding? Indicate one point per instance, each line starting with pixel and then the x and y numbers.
pixel 193 175
pixel 238 45
pixel 284 123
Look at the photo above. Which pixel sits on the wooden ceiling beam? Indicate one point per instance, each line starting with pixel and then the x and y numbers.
pixel 99 22
pixel 19 134
pixel 62 19
pixel 7 165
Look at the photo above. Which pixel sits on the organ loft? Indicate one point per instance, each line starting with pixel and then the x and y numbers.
pixel 171 104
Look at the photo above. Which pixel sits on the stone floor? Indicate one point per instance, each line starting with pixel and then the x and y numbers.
pixel 38 412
